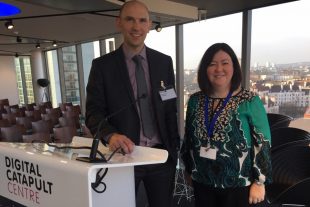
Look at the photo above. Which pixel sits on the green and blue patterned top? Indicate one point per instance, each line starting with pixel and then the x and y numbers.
pixel 241 136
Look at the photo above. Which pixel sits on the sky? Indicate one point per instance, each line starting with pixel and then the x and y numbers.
pixel 280 34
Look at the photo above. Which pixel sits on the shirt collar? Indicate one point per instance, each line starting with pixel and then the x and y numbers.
pixel 129 55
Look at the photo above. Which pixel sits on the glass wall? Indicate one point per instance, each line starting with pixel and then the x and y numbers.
pixel 280 60
pixel 163 41
pixel 24 80
pixel 198 36
pixel 279 56
pixel 71 75
pixel 90 51
pixel 53 72
pixel 19 79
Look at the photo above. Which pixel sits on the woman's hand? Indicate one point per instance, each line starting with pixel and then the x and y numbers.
pixel 257 193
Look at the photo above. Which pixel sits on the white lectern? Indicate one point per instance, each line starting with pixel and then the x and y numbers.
pixel 38 175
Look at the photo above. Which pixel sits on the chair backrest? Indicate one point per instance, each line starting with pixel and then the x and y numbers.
pixel 52 116
pixel 12 134
pixel 55 111
pixel 34 115
pixel 4 123
pixel 19 112
pixel 42 126
pixel 75 108
pixel 278 120
pixel 38 137
pixel 69 121
pixel 64 134
pixel 284 135
pixel 10 117
pixel 25 121
pixel 4 102
pixel 290 166
pixel 46 104
pixel 40 108
pixel 295 195
pixel 63 106
pixel 30 107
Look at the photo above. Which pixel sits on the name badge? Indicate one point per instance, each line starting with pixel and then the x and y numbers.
pixel 167 94
pixel 208 152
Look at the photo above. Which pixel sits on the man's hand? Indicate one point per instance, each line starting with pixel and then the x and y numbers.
pixel 257 193
pixel 121 141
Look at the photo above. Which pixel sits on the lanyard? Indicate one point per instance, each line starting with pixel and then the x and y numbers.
pixel 210 127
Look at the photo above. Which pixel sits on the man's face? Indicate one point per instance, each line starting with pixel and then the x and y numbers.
pixel 134 23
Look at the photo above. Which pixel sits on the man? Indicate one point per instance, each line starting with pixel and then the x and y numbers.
pixel 114 100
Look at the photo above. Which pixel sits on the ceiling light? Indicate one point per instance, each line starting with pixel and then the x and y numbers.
pixel 158 27
pixel 38 45
pixel 9 24
pixel 18 39
pixel 16 55
pixel 54 43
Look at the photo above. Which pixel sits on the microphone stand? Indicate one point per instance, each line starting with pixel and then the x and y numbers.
pixel 93 152
pixel 94 148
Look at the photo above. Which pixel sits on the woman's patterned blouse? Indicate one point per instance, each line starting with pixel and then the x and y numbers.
pixel 241 136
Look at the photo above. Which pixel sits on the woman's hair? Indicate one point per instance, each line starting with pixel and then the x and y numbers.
pixel 203 81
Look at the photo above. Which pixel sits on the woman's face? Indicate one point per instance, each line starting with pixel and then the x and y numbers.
pixel 220 71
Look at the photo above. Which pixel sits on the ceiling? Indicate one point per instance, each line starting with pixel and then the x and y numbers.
pixel 76 21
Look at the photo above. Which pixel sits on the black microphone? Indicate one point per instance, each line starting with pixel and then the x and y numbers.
pixel 94 148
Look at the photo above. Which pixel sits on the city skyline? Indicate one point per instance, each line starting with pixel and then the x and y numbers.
pixel 282 39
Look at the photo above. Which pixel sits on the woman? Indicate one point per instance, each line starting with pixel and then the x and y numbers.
pixel 227 137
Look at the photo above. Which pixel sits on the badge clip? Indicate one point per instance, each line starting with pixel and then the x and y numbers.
pixel 162 84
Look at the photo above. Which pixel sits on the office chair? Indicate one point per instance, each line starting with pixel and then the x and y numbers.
pixel 64 134
pixel 13 133
pixel 62 106
pixel 278 120
pixel 283 135
pixel 291 174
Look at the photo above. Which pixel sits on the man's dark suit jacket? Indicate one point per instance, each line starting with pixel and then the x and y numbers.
pixel 109 92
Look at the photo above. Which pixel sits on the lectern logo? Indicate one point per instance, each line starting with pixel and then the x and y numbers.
pixel 25 180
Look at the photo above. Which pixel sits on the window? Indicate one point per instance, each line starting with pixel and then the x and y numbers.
pixel 24 80
pixel 198 36
pixel 280 61
pixel 90 51
pixel 163 41
pixel 53 71
pixel 71 75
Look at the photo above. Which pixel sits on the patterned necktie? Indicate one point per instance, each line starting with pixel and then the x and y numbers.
pixel 143 99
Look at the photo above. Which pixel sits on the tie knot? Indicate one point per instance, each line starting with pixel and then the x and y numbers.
pixel 137 59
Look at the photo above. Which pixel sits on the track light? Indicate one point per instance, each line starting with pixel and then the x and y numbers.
pixel 158 27
pixel 16 55
pixel 54 44
pixel 9 24
pixel 38 46
pixel 18 39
